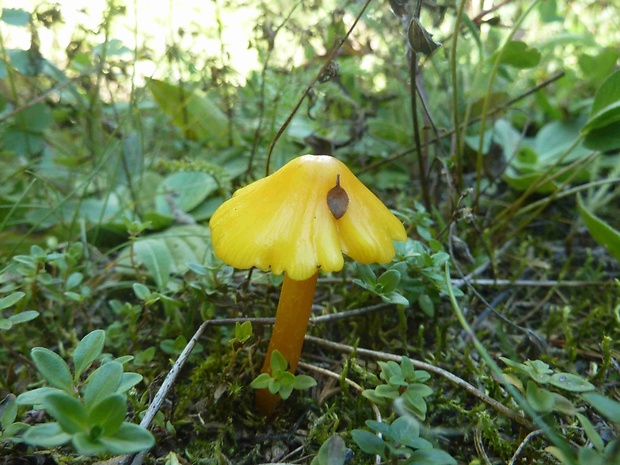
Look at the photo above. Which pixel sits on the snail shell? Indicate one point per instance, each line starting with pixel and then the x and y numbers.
pixel 337 200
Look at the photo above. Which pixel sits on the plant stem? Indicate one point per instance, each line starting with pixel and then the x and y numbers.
pixel 288 332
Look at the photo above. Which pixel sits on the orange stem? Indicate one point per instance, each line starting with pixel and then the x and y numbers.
pixel 292 316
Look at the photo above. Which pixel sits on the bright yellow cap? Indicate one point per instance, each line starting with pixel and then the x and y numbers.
pixel 283 223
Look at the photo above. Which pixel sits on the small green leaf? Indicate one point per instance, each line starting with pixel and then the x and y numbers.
pixel 603 233
pixel 142 292
pixel 539 398
pixel 243 331
pixel 128 439
pixel 8 411
pixel 366 274
pixel 87 351
pixel 261 381
pixel 5 324
pixel 432 457
pixel 593 436
pixel 103 382
pixel 53 368
pixel 155 256
pixel 67 411
pixel 35 397
pixel 404 429
pixel 46 435
pixel 285 391
pixel 84 444
pixel 128 380
pixel 368 442
pixel 11 299
pixel 607 407
pixel 23 317
pixel 303 382
pixel 332 452
pixel 570 382
pixel 109 414
pixel 388 281
pixel 278 362
pixel 606 106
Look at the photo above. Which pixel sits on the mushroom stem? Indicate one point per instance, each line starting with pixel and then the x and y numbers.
pixel 292 316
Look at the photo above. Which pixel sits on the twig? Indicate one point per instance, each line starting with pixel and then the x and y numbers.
pixel 527 439
pixel 528 282
pixel 433 369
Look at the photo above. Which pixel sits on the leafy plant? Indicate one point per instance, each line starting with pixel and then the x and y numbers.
pixel 400 442
pixel 403 383
pixel 10 429
pixel 91 413
pixel 21 317
pixel 280 381
pixel 332 452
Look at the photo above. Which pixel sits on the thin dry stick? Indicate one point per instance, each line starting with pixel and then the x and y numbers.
pixel 527 283
pixel 330 57
pixel 527 439
pixel 433 369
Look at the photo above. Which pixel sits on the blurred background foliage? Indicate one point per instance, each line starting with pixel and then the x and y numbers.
pixel 124 125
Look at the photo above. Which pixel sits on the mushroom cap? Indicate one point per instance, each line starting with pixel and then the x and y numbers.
pixel 283 223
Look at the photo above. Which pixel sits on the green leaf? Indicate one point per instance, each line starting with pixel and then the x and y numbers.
pixel 405 429
pixel 84 444
pixel 519 55
pixel 278 362
pixel 35 397
pixel 184 190
pixel 155 256
pixel 109 414
pixel 606 106
pixel 285 391
pixel 366 274
pixel 388 281
pixel 243 331
pixel 11 299
pixel 570 382
pixel 128 439
pixel 303 382
pixel 128 380
pixel 23 317
pixel 261 381
pixel 368 442
pixel 195 114
pixel 46 435
pixel 593 436
pixel 5 324
pixel 431 457
pixel 53 368
pixel 539 398
pixel 67 411
pixel 103 382
pixel 394 298
pixel 142 292
pixel 604 234
pixel 332 452
pixel 87 351
pixel 182 244
pixel 8 411
pixel 607 407
pixel 15 16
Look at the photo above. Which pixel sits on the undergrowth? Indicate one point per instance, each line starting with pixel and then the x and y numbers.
pixel 491 337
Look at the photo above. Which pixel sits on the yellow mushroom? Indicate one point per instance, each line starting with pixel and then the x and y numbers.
pixel 299 220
